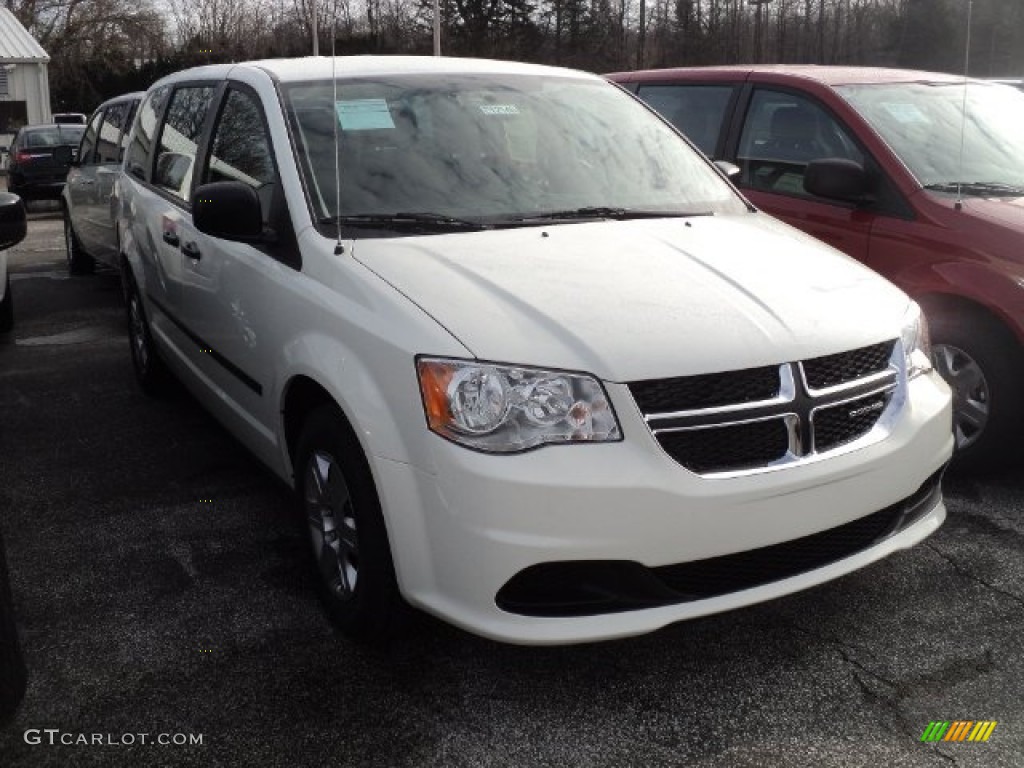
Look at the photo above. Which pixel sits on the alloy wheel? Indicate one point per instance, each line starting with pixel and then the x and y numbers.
pixel 971 398
pixel 332 525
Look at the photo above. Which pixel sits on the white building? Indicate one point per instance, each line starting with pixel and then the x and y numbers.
pixel 24 83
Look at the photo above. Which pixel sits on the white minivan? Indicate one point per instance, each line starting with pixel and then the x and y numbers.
pixel 530 362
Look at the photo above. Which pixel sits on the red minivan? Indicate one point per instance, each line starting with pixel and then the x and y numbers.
pixel 918 175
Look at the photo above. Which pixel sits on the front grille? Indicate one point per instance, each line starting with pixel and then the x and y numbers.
pixel 690 393
pixel 845 422
pixel 729 448
pixel 830 370
pixel 758 417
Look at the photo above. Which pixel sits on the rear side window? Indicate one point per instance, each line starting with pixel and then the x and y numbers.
pixel 176 156
pixel 696 110
pixel 138 152
pixel 89 140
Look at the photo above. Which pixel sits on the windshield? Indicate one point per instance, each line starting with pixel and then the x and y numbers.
pixel 493 150
pixel 923 124
pixel 54 136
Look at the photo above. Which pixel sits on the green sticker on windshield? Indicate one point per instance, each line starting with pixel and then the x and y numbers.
pixel 905 113
pixel 499 109
pixel 364 115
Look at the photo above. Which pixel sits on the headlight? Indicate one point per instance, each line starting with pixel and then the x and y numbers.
pixel 505 408
pixel 917 345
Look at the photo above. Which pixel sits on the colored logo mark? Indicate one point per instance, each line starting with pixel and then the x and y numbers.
pixel 959 730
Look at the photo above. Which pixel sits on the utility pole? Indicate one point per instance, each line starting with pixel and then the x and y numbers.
pixel 437 28
pixel 316 31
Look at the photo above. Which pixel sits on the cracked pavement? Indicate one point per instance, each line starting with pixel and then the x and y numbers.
pixel 160 588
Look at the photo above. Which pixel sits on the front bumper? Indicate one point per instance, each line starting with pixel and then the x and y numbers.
pixel 465 535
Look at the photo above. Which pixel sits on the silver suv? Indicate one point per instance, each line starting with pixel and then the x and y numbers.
pixel 88 198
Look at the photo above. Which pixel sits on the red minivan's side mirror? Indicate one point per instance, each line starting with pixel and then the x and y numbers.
pixel 838 179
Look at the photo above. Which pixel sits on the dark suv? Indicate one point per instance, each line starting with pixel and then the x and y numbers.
pixel 888 167
pixel 34 173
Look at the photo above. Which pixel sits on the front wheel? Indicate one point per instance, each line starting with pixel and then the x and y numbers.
pixel 150 371
pixel 79 262
pixel 349 542
pixel 982 363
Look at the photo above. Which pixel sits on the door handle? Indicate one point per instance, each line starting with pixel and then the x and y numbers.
pixel 171 238
pixel 191 250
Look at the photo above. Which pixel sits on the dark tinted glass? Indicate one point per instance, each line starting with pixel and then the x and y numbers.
pixel 85 151
pixel 176 156
pixel 107 150
pixel 138 154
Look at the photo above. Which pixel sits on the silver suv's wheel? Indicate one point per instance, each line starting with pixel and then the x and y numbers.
pixel 150 371
pixel 79 262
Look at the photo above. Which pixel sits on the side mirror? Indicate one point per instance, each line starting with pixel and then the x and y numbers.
pixel 229 210
pixel 64 155
pixel 13 225
pixel 730 170
pixel 838 179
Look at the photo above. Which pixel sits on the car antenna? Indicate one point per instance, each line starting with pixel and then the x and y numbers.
pixel 339 248
pixel 963 113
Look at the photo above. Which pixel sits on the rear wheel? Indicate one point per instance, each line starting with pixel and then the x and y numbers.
pixel 79 262
pixel 983 365
pixel 150 371
pixel 349 542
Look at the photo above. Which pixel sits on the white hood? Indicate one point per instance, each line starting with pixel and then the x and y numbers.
pixel 642 299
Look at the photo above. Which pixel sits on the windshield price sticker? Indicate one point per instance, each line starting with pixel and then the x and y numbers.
pixel 906 113
pixel 499 109
pixel 364 115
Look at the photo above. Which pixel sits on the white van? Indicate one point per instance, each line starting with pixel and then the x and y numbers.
pixel 529 361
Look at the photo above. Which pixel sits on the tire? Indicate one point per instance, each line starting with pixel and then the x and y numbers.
pixel 349 551
pixel 79 262
pixel 7 309
pixel 984 367
pixel 150 371
pixel 12 665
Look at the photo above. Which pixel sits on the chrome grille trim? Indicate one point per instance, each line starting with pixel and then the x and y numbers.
pixel 796 406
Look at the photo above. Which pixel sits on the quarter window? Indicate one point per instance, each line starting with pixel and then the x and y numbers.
pixel 240 148
pixel 696 110
pixel 176 156
pixel 782 133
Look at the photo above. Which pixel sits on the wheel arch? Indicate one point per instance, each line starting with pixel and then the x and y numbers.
pixel 948 304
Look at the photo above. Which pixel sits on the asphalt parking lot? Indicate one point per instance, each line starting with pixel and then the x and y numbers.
pixel 161 592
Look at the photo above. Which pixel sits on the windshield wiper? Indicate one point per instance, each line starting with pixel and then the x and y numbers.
pixel 979 188
pixel 603 212
pixel 424 221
